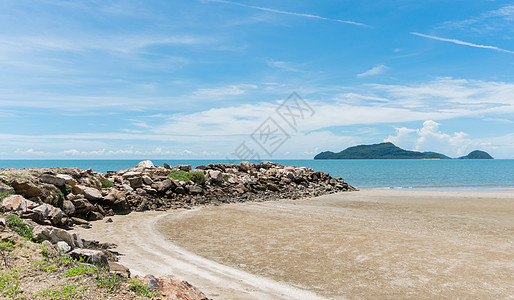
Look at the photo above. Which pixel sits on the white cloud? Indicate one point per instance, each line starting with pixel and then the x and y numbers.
pixel 459 42
pixel 289 13
pixel 500 19
pixel 430 138
pixel 376 70
pixel 231 90
pixel 283 66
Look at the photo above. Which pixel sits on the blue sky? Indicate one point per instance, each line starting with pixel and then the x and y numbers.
pixel 195 79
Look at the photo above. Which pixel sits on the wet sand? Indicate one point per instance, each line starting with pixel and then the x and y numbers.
pixel 359 245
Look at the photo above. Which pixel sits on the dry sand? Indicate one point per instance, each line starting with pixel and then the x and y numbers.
pixel 358 245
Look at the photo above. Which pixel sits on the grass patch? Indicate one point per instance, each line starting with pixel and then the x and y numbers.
pixel 9 283
pixel 19 226
pixel 67 291
pixel 226 177
pixel 142 290
pixel 195 176
pixel 107 184
pixel 81 270
pixel 111 283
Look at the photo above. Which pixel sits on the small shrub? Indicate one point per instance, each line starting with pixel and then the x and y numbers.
pixel 9 285
pixel 68 189
pixel 7 245
pixel 197 177
pixel 19 226
pixel 107 184
pixel 80 270
pixel 50 268
pixel 179 175
pixel 226 177
pixel 142 290
pixel 4 195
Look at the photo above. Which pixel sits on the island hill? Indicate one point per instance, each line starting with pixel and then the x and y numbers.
pixel 390 151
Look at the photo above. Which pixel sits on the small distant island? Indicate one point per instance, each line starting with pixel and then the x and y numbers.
pixel 391 151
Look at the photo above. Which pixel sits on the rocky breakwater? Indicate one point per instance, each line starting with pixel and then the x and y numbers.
pixel 64 197
pixel 56 199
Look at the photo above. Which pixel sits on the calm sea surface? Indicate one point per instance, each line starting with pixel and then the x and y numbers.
pixel 363 174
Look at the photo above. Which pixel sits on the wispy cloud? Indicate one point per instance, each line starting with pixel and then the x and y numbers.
pixel 290 13
pixel 283 66
pixel 379 69
pixel 459 42
pixel 494 20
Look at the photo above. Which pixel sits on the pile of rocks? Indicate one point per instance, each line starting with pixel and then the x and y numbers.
pixel 65 197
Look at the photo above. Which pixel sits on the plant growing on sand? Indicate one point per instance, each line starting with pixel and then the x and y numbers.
pixel 197 177
pixel 19 226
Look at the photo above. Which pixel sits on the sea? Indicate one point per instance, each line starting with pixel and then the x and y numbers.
pixel 444 174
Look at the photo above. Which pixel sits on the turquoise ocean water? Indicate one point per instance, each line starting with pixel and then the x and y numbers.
pixel 363 174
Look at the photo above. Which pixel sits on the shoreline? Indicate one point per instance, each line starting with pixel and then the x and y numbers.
pixel 470 205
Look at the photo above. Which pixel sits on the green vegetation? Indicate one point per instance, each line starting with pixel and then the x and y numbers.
pixel 197 177
pixel 9 283
pixel 19 226
pixel 107 184
pixel 4 195
pixel 226 177
pixel 67 291
pixel 111 283
pixel 378 151
pixel 80 270
pixel 142 290
pixel 6 245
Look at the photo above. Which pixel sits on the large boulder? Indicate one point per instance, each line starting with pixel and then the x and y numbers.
pixel 88 192
pixel 95 257
pixel 68 208
pixel 163 186
pixel 52 179
pixel 215 176
pixel 135 182
pixel 67 179
pixel 25 188
pixel 147 164
pixel 55 235
pixel 17 203
pixel 47 212
pixel 82 206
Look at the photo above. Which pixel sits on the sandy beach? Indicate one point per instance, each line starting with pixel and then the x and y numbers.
pixel 366 244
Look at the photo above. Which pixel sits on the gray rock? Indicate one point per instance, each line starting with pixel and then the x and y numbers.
pixel 63 247
pixel 51 179
pixel 88 192
pixel 82 205
pixel 67 179
pixel 47 212
pixel 135 182
pixel 95 257
pixel 215 176
pixel 147 180
pixel 68 208
pixel 195 189
pixel 163 186
pixel 54 235
pixel 186 168
pixel 121 270
pixel 147 164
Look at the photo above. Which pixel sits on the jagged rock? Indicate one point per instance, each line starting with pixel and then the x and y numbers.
pixel 88 192
pixel 67 179
pixel 51 179
pixel 195 189
pixel 131 174
pixel 167 166
pixel 82 206
pixel 147 180
pixel 4 188
pixel 17 203
pixel 68 208
pixel 135 182
pixel 215 176
pixel 54 235
pixel 121 206
pixel 118 269
pixel 94 216
pixel 95 257
pixel 47 212
pixel 147 164
pixel 186 168
pixel 272 187
pixel 26 189
pixel 163 186
pixel 79 221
